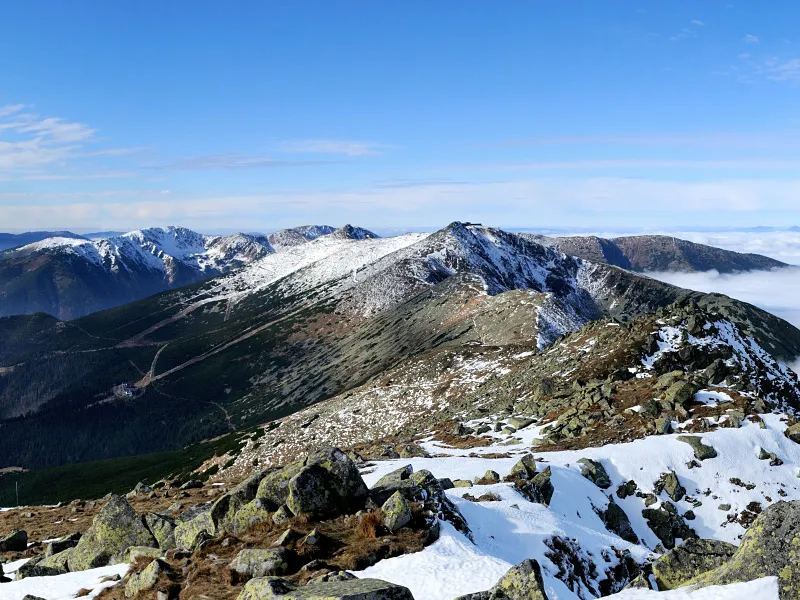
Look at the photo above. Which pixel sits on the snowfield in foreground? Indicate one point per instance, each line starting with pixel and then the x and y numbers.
pixel 512 529
pixel 60 587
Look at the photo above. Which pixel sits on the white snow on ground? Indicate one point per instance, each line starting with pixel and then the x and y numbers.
pixel 759 589
pixel 508 531
pixel 62 587
pixel 10 568
pixel 712 397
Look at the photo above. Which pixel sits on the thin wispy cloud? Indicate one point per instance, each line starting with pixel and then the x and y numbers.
pixel 697 22
pixel 753 164
pixel 750 39
pixel 232 161
pixel 31 142
pixel 343 147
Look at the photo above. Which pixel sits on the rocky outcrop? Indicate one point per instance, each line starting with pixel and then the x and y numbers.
pixel 692 558
pixel 771 547
pixel 667 524
pixel 595 472
pixel 267 588
pixel 539 489
pixel 116 528
pixel 521 582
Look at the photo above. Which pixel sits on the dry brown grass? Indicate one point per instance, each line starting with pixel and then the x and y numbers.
pixel 83 592
pixel 369 523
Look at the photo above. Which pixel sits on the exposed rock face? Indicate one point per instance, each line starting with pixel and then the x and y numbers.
pixel 617 521
pixel 116 528
pixel 771 547
pixel 539 489
pixel 268 588
pixel 692 558
pixel 16 541
pixel 521 582
pixel 595 472
pixel 256 562
pixel 669 484
pixel 667 524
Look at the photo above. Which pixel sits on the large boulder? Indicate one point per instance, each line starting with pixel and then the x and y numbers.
pixel 267 588
pixel 255 511
pixel 771 547
pixel 257 562
pixel 325 483
pixel 189 534
pixel 521 582
pixel 692 558
pixel 595 472
pixel 223 511
pixel 46 566
pixel 163 529
pixel 116 528
pixel 16 541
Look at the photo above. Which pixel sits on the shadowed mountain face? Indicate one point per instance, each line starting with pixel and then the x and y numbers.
pixel 70 276
pixel 302 325
pixel 657 253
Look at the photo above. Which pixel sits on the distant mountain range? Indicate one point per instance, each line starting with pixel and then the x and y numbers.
pixel 303 324
pixel 14 240
pixel 67 275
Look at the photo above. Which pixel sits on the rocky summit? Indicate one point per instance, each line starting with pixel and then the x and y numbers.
pixel 469 414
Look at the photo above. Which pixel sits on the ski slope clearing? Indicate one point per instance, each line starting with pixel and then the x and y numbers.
pixel 719 491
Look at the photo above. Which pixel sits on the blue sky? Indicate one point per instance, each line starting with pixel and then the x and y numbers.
pixel 256 115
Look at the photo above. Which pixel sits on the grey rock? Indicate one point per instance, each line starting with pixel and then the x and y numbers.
pixel 595 472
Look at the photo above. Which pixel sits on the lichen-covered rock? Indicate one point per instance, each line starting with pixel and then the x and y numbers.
pixel 617 521
pixel 396 512
pixel 701 450
pixel 521 582
pixel 61 544
pixel 163 529
pixel 595 472
pixel 255 511
pixel 146 579
pixel 793 433
pixel 692 558
pixel 224 509
pixel 188 534
pixel 116 528
pixel 325 483
pixel 282 515
pixel 136 552
pixel 667 524
pixel 539 489
pixel 488 477
pixel 680 393
pixel 771 547
pixel 46 566
pixel 257 562
pixel 669 484
pixel 16 541
pixel 267 588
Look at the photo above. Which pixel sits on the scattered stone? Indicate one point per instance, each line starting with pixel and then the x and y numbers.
pixel 396 512
pixel 287 537
pixel 701 451
pixel 616 521
pixel 459 483
pixel 724 507
pixel 595 472
pixel 192 484
pixel 627 489
pixel 667 524
pixel 525 468
pixel 488 478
